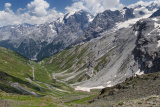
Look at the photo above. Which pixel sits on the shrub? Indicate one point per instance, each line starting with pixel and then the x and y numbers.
pixel 120 103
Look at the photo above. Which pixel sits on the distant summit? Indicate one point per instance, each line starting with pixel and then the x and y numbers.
pixel 156 14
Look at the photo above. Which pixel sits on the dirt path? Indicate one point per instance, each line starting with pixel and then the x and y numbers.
pixel 33 73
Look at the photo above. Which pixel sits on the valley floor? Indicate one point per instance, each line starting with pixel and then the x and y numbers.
pixel 140 91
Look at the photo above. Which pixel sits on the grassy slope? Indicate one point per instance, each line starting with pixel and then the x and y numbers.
pixel 14 68
pixel 76 59
pixel 65 59
pixel 15 100
pixel 70 60
pixel 17 66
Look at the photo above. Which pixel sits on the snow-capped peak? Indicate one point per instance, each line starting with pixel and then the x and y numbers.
pixel 139 12
pixel 69 14
pixel 80 12
pixel 60 20
pixel 90 18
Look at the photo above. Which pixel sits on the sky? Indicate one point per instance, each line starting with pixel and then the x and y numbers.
pixel 41 11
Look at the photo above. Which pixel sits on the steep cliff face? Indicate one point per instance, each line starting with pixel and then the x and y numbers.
pixel 147 51
pixel 102 22
pixel 73 27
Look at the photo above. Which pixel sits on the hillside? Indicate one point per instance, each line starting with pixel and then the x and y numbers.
pixel 112 57
pixel 90 63
pixel 134 91
pixel 23 82
pixel 111 60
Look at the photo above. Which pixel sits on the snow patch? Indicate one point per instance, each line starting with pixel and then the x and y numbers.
pixel 155 19
pixel 136 33
pixel 158 44
pixel 109 85
pixel 90 18
pixel 70 14
pixel 143 9
pixel 130 22
pixel 123 12
pixel 156 25
pixel 139 72
pixel 60 20
pixel 34 57
pixel 88 88
pixel 53 31
pixel 109 82
pixel 144 4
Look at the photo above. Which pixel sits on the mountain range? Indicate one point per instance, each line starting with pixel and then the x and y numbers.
pixel 115 51
pixel 37 42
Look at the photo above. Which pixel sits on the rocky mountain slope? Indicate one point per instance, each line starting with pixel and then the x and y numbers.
pixel 39 41
pixel 140 91
pixel 111 58
pixel 17 82
pixel 104 59
pixel 109 52
pixel 110 21
pixel 147 45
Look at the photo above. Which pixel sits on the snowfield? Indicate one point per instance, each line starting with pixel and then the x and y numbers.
pixel 88 88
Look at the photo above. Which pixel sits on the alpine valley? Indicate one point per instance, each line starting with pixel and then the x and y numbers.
pixel 110 59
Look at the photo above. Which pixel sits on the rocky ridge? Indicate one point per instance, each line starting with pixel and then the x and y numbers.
pixel 112 57
pixel 40 41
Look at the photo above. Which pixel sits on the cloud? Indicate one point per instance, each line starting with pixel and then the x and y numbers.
pixel 38 7
pixel 76 7
pixel 7 18
pixel 51 15
pixel 7 7
pixel 36 12
pixel 144 3
pixel 95 6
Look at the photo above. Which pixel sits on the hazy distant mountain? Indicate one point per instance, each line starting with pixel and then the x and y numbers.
pixel 38 41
